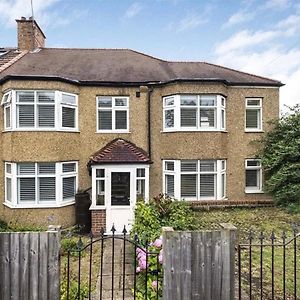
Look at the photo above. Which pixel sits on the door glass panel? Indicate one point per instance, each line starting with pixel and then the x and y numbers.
pixel 120 188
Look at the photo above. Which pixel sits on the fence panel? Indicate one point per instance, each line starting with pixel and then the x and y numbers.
pixel 199 265
pixel 29 265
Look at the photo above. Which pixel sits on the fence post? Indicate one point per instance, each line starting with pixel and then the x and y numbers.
pixel 199 265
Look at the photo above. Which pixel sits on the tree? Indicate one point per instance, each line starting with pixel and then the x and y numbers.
pixel 280 155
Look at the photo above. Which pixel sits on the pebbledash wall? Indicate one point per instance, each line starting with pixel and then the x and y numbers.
pixel 234 145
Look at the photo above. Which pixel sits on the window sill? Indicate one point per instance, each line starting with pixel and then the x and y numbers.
pixel 254 131
pixel 254 192
pixel 112 131
pixel 194 130
pixel 22 206
pixel 94 207
pixel 40 130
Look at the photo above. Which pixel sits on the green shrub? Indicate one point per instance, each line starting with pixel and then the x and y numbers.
pixel 3 226
pixel 159 212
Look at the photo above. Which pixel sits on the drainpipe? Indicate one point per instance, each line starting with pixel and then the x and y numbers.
pixel 150 90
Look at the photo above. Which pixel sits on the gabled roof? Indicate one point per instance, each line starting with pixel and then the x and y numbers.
pixel 121 67
pixel 8 56
pixel 119 151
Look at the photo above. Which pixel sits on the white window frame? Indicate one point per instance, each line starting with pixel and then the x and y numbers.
pixel 113 109
pixel 58 104
pixel 220 105
pixel 8 175
pixel 59 175
pixel 7 103
pixel 254 190
pixel 177 179
pixel 256 108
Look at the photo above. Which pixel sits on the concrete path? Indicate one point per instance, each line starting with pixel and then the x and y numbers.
pixel 118 272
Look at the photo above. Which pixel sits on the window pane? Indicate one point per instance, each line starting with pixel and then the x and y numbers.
pixel 25 96
pixel 253 102
pixel 100 191
pixel 68 117
pixel 104 102
pixel 68 99
pixel 207 185
pixel 100 173
pixel 69 167
pixel 8 189
pixel 189 166
pixel 26 189
pixel 120 101
pixel 8 168
pixel 208 101
pixel 169 101
pixel 223 185
pixel 207 117
pixel 7 117
pixel 45 96
pixel 105 120
pixel 188 117
pixel 47 189
pixel 222 118
pixel 207 166
pixel 140 172
pixel 252 178
pixel 252 118
pixel 169 188
pixel 46 168
pixel 46 115
pixel 140 189
pixel 253 163
pixel 169 118
pixel 26 115
pixel 188 185
pixel 169 165
pixel 121 119
pixel 69 187
pixel 26 169
pixel 188 100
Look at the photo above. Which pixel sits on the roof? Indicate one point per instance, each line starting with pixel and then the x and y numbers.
pixel 121 67
pixel 119 151
pixel 7 56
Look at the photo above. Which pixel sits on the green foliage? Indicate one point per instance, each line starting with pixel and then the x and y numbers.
pixel 280 156
pixel 159 212
pixel 3 226
pixel 73 289
pixel 68 244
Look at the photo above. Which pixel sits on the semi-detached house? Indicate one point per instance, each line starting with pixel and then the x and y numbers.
pixel 128 125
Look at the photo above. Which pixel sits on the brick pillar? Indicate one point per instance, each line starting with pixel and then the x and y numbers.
pixel 98 221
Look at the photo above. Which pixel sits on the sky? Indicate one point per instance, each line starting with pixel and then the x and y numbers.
pixel 255 36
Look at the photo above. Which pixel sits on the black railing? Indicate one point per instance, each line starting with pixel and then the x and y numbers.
pixel 107 267
pixel 268 269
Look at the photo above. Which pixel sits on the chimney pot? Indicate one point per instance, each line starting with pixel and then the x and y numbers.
pixel 23 18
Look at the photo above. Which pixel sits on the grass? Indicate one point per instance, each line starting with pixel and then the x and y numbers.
pixel 259 220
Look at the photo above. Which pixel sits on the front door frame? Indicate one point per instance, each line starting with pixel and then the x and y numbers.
pixel 109 169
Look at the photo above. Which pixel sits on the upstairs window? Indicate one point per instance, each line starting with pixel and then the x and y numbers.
pixel 194 113
pixel 39 110
pixel 112 114
pixel 253 176
pixel 253 120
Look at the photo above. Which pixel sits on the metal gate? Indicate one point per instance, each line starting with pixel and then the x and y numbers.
pixel 112 267
pixel 268 269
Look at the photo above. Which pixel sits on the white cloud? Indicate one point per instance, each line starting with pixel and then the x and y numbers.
pixel 239 17
pixel 191 21
pixel 133 10
pixel 14 9
pixel 277 4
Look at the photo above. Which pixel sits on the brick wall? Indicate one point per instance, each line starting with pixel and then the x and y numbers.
pixel 98 221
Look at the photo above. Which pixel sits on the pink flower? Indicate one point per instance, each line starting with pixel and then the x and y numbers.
pixel 154 284
pixel 158 243
pixel 142 264
pixel 160 258
pixel 138 270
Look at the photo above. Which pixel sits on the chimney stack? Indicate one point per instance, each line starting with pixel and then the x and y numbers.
pixel 30 35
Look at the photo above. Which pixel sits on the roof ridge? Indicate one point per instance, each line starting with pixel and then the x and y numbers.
pixel 241 72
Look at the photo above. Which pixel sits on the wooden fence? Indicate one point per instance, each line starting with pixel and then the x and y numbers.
pixel 199 265
pixel 29 266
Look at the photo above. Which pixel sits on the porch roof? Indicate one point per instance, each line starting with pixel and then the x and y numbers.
pixel 119 151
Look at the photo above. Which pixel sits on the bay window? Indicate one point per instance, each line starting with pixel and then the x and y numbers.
pixel 253 176
pixel 112 114
pixel 40 110
pixel 45 184
pixel 194 113
pixel 195 179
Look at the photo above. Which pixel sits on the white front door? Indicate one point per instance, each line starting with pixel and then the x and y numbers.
pixel 120 199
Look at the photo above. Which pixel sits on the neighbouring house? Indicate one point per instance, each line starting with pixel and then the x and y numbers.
pixel 129 126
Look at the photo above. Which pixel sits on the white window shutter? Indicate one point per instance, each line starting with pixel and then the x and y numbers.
pixel 69 187
pixel 105 120
pixel 121 119
pixel 26 115
pixel 207 185
pixel 47 189
pixel 26 189
pixel 46 116
pixel 68 117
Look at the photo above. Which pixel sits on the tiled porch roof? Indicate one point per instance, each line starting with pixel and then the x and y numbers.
pixel 119 151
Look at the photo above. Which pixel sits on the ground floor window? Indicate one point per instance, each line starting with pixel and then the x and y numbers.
pixel 40 184
pixel 253 176
pixel 195 179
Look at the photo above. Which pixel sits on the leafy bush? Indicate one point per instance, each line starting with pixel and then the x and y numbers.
pixel 159 212
pixel 280 156
pixel 3 226
pixel 68 244
pixel 73 289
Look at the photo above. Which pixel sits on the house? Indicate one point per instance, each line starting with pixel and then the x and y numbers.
pixel 130 126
